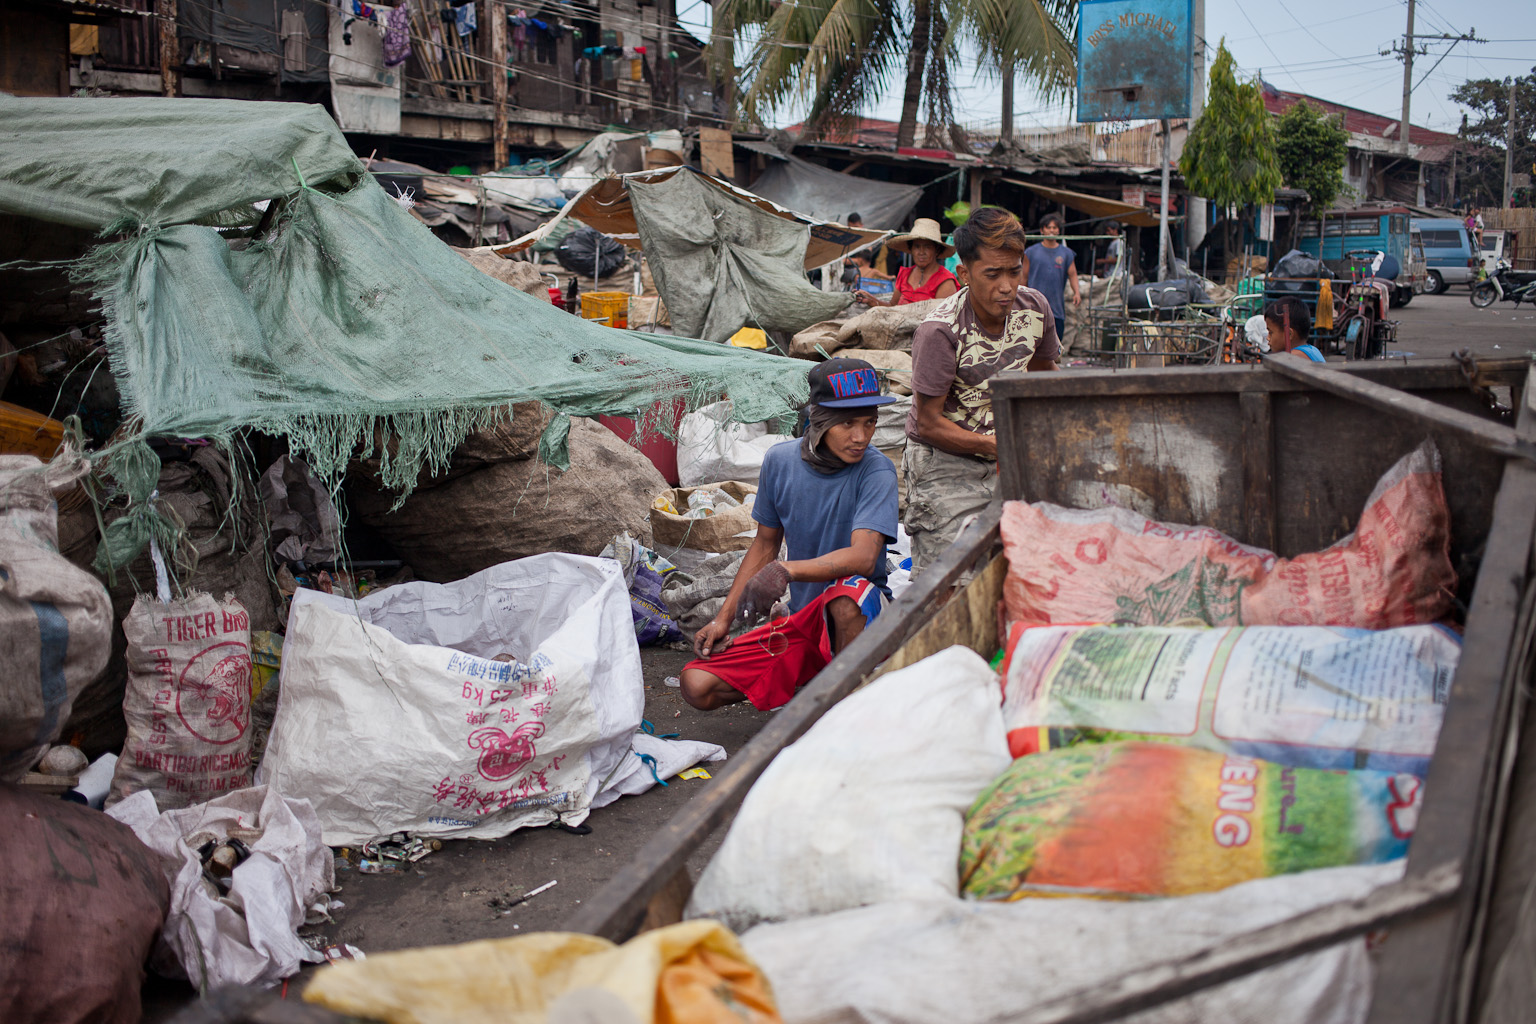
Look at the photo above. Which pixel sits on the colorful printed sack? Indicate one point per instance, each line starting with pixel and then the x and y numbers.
pixel 1152 819
pixel 1304 696
pixel 1111 565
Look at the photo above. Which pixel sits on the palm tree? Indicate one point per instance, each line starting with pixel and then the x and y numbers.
pixel 842 54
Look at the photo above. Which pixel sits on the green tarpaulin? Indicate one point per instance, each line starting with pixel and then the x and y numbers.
pixel 346 317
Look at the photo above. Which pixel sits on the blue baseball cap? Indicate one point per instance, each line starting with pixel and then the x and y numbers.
pixel 846 384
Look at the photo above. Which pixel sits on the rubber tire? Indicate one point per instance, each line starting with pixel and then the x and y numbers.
pixel 1485 291
pixel 1435 284
pixel 1401 297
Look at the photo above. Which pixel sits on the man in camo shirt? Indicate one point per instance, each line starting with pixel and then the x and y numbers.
pixel 992 325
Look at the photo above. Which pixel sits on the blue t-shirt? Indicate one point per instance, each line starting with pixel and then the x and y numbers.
pixel 1048 273
pixel 818 512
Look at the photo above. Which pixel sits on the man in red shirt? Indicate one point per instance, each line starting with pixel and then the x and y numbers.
pixel 993 324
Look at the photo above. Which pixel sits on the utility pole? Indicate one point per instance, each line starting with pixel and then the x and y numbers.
pixel 1005 134
pixel 1194 214
pixel 498 67
pixel 1162 215
pixel 1509 148
pixel 1402 129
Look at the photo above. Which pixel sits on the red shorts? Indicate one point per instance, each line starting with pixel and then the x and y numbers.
pixel 769 663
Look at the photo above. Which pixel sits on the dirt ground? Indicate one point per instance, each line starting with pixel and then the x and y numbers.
pixel 448 897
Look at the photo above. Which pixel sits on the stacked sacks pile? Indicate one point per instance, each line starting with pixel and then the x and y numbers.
pixel 498 502
pixel 221 553
pixel 883 328
pixel 877 867
pixel 1171 784
pixel 83 900
pixel 1112 565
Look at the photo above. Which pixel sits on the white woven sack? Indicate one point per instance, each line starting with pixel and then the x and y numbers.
pixel 392 715
pixel 869 804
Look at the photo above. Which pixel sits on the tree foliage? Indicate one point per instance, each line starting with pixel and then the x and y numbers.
pixel 1230 153
pixel 1482 173
pixel 1312 148
pixel 842 55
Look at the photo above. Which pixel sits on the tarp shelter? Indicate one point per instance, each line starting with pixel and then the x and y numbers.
pixel 606 206
pixel 721 264
pixel 345 323
pixel 821 192
pixel 1094 206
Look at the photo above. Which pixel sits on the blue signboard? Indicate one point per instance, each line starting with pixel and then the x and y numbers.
pixel 1133 59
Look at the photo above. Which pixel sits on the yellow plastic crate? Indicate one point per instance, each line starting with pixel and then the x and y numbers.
pixel 612 307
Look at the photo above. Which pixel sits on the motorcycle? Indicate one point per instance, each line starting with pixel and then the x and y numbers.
pixel 1505 284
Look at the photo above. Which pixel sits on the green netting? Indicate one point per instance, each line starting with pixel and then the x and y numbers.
pixel 96 163
pixel 350 325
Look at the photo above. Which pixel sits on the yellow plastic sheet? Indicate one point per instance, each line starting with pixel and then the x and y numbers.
pixel 689 973
pixel 750 337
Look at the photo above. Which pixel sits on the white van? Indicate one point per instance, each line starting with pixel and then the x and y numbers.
pixel 1495 247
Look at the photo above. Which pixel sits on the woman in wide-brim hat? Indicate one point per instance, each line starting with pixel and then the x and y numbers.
pixel 926 278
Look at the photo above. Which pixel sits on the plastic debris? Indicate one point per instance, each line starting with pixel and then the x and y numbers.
pixel 694 773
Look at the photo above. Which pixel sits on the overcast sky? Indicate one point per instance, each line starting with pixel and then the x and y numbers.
pixel 1308 46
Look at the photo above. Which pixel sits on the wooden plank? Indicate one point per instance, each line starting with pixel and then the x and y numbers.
pixel 1419 977
pixel 1393 401
pixel 170 51
pixel 667 906
pixel 1258 468
pixel 1242 955
pixel 1499 988
pixel 617 908
pixel 969 619
pixel 498 72
pixel 717 154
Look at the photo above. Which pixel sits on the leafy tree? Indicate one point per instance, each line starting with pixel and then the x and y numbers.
pixel 1482 175
pixel 842 55
pixel 1312 148
pixel 1230 153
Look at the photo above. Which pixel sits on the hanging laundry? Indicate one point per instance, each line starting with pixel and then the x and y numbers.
pixel 465 19
pixel 362 10
pixel 519 20
pixel 397 35
pixel 293 32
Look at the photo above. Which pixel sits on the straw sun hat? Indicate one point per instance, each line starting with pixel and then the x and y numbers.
pixel 923 230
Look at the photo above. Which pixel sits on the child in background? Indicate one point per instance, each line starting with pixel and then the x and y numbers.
pixel 1288 324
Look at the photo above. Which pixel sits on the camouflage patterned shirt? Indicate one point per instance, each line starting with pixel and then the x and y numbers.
pixel 953 356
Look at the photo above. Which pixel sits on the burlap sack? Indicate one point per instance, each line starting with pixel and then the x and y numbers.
pixel 894 364
pixel 55 618
pixel 722 531
pixel 882 327
pixel 83 899
pixel 188 702
pixel 509 510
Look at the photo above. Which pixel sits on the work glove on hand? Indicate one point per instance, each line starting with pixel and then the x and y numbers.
pixel 763 590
